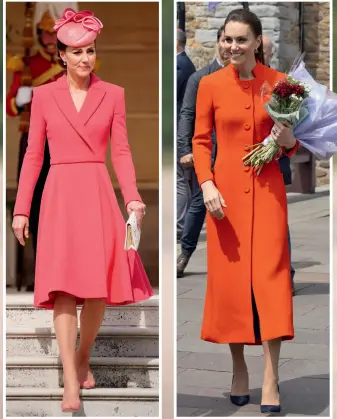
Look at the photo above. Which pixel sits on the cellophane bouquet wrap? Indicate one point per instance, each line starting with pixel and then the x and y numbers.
pixel 309 107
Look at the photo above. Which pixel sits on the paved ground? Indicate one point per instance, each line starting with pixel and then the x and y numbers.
pixel 204 369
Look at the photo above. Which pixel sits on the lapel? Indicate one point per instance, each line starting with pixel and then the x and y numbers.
pixel 215 66
pixel 95 95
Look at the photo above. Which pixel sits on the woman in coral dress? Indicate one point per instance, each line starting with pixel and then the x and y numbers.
pixel 249 293
pixel 80 255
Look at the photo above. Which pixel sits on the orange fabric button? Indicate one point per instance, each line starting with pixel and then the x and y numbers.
pixel 246 169
pixel 247 127
pixel 246 190
pixel 247 148
pixel 246 85
pixel 247 106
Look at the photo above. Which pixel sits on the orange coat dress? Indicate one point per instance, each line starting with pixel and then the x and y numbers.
pixel 248 284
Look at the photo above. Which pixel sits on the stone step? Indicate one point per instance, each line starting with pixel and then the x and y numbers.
pixel 46 372
pixel 126 341
pixel 125 402
pixel 20 312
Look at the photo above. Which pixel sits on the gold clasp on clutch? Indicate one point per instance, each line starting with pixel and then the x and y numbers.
pixel 129 240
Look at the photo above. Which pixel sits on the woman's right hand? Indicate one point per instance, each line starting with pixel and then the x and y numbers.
pixel 20 227
pixel 213 200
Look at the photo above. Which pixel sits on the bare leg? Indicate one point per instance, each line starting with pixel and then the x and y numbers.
pixel 240 385
pixel 65 323
pixel 91 319
pixel 270 395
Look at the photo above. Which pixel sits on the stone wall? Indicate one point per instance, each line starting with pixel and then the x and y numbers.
pixel 317 47
pixel 281 22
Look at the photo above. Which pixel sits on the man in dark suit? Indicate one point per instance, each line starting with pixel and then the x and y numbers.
pixel 195 216
pixel 185 68
pixel 284 161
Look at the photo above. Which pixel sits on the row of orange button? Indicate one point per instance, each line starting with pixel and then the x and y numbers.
pixel 247 128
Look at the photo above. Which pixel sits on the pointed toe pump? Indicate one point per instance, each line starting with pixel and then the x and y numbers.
pixel 271 408
pixel 239 400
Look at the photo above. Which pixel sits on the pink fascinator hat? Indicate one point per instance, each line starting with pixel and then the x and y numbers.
pixel 76 29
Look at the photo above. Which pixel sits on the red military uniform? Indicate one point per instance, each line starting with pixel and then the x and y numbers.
pixel 44 69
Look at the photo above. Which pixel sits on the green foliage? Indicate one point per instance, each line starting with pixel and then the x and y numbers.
pixel 1 89
pixel 167 77
pixel 334 56
pixel 334 45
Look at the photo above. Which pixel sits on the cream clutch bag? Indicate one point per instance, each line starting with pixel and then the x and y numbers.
pixel 132 234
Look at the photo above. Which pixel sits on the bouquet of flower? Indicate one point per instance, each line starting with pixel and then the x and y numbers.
pixel 309 107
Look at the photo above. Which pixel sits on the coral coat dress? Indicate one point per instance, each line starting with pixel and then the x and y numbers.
pixel 249 293
pixel 80 249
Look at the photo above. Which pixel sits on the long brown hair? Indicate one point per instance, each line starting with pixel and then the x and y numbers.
pixel 248 18
pixel 61 47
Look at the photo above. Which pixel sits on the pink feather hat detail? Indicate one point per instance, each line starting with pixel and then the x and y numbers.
pixel 77 29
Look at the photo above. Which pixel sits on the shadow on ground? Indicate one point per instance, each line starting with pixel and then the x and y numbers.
pixel 310 288
pixel 191 273
pixel 305 264
pixel 303 396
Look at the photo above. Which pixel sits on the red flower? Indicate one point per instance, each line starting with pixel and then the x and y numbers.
pixel 284 89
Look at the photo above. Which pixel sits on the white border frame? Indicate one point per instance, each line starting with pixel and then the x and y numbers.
pixel 331 342
pixel 175 279
pixel 4 209
pixel 331 219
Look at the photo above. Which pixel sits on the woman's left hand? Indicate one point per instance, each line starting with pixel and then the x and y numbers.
pixel 282 134
pixel 138 208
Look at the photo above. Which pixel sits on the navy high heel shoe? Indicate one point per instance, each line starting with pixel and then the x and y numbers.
pixel 239 400
pixel 271 408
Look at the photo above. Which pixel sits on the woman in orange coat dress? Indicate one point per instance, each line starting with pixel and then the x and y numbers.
pixel 80 250
pixel 249 295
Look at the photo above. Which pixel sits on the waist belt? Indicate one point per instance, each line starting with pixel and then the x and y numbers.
pixel 57 163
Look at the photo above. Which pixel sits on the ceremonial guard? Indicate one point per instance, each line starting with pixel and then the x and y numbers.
pixel 38 65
